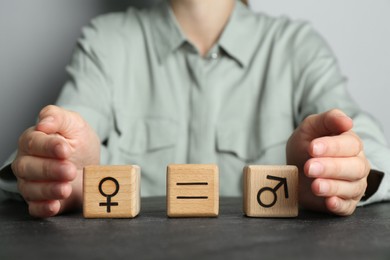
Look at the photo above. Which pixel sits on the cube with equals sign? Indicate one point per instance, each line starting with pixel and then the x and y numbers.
pixel 192 190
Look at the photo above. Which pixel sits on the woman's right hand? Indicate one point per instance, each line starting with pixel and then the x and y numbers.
pixel 50 161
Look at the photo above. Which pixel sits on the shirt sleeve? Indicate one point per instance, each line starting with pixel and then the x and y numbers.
pixel 87 92
pixel 8 187
pixel 320 86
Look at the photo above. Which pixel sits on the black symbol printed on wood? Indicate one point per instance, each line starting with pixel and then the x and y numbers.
pixel 282 181
pixel 108 204
pixel 192 184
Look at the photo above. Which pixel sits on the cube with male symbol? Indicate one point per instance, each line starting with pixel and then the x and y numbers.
pixel 270 191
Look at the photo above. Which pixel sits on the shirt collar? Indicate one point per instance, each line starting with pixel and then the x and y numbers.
pixel 166 31
pixel 235 39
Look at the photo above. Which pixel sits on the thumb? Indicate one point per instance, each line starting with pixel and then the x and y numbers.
pixel 333 122
pixel 56 120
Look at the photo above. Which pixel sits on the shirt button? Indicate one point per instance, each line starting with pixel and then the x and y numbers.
pixel 214 55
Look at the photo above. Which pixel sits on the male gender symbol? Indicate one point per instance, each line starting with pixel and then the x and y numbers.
pixel 282 182
pixel 108 204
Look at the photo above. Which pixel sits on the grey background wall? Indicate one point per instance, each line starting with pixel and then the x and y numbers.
pixel 36 42
pixel 359 34
pixel 37 38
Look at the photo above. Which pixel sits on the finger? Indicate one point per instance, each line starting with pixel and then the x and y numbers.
pixel 44 209
pixel 40 144
pixel 53 119
pixel 347 169
pixel 32 168
pixel 333 122
pixel 343 189
pixel 41 191
pixel 343 145
pixel 340 207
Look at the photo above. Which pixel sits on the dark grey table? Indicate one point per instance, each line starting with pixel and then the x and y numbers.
pixel 365 235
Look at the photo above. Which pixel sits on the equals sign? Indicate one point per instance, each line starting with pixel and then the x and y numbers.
pixel 192 184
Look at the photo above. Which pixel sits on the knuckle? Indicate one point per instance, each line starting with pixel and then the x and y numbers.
pixel 337 146
pixel 346 212
pixel 346 208
pixel 340 206
pixel 18 168
pixel 22 187
pixel 47 145
pixel 37 144
pixel 309 119
pixel 15 166
pixel 354 142
pixel 32 210
pixel 24 137
pixel 363 170
pixel 30 144
pixel 357 144
pixel 335 188
pixel 48 110
pixel 334 110
pixel 351 208
pixel 333 169
pixel 308 124
pixel 367 168
pixel 21 140
pixel 46 170
pixel 361 188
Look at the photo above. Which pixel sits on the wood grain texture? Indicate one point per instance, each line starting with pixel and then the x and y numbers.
pixel 271 191
pixel 192 190
pixel 123 182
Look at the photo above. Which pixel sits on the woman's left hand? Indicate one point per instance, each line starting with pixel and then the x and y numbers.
pixel 332 165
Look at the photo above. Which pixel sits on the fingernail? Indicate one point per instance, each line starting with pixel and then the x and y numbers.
pixel 315 169
pixel 324 188
pixel 47 120
pixel 319 149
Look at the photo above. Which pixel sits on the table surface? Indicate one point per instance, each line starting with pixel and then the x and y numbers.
pixel 365 235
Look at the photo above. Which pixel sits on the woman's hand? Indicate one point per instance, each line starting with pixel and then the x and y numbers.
pixel 50 160
pixel 332 165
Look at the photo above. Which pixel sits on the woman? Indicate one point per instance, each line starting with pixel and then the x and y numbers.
pixel 192 81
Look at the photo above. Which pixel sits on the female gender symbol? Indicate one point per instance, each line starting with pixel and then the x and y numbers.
pixel 108 204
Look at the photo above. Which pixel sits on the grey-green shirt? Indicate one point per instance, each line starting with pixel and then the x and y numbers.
pixel 154 100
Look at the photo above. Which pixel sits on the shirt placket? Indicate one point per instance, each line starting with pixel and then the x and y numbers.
pixel 201 137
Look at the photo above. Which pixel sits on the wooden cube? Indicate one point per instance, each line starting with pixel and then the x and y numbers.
pixel 111 191
pixel 271 191
pixel 192 190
